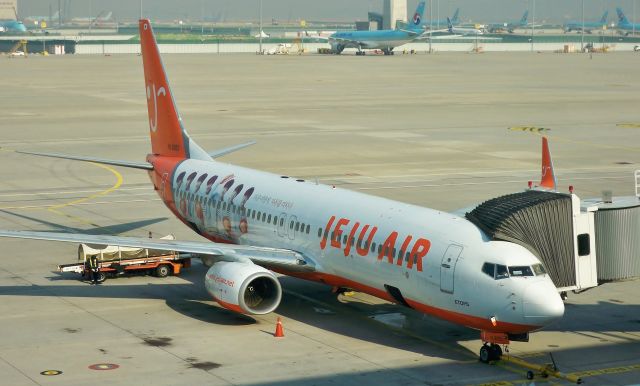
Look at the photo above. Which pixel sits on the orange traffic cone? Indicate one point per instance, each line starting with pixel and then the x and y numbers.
pixel 279 331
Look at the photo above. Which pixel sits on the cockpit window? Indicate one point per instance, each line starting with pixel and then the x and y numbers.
pixel 489 269
pixel 539 269
pixel 501 272
pixel 524 270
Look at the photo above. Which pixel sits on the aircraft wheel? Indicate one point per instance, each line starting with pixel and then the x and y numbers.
pixel 162 271
pixel 496 352
pixel 485 354
pixel 102 277
pixel 530 375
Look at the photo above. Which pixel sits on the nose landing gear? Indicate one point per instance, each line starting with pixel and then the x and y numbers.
pixel 490 352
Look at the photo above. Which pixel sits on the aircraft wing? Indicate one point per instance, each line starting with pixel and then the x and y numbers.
pixel 268 257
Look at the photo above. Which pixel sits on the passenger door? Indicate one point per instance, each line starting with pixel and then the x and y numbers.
pixel 448 267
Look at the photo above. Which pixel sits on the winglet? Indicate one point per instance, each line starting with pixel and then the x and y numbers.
pixel 548 179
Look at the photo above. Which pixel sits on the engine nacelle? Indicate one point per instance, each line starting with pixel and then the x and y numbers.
pixel 243 287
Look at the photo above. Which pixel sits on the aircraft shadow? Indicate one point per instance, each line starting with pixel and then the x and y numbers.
pixel 319 308
pixel 109 229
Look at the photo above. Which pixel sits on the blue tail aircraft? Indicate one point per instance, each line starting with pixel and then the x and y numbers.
pixel 510 26
pixel 624 24
pixel 588 26
pixel 385 40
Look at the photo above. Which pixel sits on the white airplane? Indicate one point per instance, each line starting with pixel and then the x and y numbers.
pixel 259 223
pixel 463 30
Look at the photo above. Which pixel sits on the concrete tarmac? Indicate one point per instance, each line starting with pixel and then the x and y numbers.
pixel 432 130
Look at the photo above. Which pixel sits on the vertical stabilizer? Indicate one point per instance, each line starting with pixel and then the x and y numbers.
pixel 622 19
pixel 525 16
pixel 454 18
pixel 417 16
pixel 168 137
pixel 548 179
pixel 605 15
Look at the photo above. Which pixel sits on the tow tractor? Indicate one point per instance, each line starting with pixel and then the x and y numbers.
pixel 114 261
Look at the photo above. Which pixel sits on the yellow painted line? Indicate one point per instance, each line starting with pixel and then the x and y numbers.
pixel 610 370
pixel 557 138
pixel 56 208
pixel 117 185
pixel 629 125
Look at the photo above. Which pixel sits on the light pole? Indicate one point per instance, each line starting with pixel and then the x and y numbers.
pixel 260 33
pixel 633 24
pixel 430 24
pixel 201 18
pixel 140 9
pixel 582 30
pixel 533 22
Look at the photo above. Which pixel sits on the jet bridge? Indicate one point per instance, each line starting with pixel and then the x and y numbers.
pixel 550 225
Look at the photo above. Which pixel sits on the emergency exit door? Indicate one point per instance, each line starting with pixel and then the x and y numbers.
pixel 448 267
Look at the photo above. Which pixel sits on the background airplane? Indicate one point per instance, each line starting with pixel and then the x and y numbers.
pixel 509 26
pixel 588 25
pixel 258 223
pixel 464 31
pixel 455 20
pixel 12 26
pixel 385 40
pixel 624 24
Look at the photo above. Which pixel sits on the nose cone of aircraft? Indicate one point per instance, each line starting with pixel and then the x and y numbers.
pixel 542 304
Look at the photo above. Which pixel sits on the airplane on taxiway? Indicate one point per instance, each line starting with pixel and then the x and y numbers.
pixel 509 27
pixel 385 40
pixel 588 26
pixel 258 223
pixel 624 24
pixel 464 31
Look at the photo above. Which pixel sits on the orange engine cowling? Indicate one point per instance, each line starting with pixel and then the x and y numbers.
pixel 244 287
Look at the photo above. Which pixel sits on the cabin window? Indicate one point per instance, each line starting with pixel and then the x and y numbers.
pixel 308 228
pixel 282 221
pixel 269 219
pixel 301 227
pixel 489 269
pixel 523 270
pixel 539 269
pixel 319 232
pixel 501 272
pixel 264 217
pixel 344 239
pixel 275 220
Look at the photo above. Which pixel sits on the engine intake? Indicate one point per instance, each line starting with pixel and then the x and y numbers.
pixel 243 287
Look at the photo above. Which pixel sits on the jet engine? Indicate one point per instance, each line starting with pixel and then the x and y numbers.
pixel 243 287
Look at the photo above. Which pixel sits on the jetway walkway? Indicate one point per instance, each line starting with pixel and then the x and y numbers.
pixel 581 243
pixel 539 221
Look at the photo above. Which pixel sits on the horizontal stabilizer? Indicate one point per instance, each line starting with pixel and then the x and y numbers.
pixel 230 149
pixel 126 164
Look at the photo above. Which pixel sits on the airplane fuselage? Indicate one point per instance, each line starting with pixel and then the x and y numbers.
pixel 383 39
pixel 426 259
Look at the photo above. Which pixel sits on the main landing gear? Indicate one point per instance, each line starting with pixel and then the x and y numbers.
pixel 490 352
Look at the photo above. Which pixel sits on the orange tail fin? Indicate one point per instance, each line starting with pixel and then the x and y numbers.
pixel 548 179
pixel 168 137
